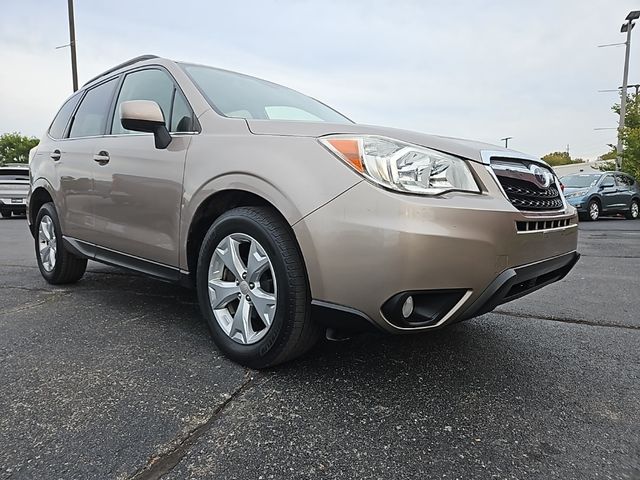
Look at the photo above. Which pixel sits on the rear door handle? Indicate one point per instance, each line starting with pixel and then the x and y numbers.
pixel 56 155
pixel 102 157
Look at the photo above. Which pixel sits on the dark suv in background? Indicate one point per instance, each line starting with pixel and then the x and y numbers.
pixel 602 193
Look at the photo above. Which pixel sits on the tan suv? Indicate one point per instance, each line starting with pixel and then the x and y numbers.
pixel 288 218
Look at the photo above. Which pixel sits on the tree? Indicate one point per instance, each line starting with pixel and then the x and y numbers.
pixel 14 148
pixel 630 137
pixel 557 158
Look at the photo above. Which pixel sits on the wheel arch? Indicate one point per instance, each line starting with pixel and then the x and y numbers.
pixel 40 195
pixel 209 209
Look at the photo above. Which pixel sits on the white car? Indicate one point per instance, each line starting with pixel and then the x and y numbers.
pixel 14 187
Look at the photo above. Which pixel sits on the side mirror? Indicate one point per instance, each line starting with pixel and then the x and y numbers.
pixel 607 184
pixel 145 116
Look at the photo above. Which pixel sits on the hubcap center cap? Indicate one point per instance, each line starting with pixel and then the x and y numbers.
pixel 244 287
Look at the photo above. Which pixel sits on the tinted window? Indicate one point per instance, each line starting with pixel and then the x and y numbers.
pixel 91 116
pixel 59 124
pixel 608 180
pixel 624 180
pixel 236 95
pixel 153 85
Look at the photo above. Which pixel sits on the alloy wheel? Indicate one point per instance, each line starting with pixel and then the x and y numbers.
pixel 594 211
pixel 635 210
pixel 242 288
pixel 47 245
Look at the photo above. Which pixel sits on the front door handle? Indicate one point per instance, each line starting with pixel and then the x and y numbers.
pixel 101 157
pixel 56 155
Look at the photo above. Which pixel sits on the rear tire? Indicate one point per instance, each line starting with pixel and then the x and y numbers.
pixel 634 210
pixel 253 288
pixel 57 265
pixel 593 211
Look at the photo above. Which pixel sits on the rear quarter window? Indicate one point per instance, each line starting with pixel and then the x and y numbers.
pixel 61 120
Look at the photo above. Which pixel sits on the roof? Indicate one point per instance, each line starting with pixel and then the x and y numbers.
pixel 132 61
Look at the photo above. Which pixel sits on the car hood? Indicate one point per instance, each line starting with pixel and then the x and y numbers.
pixel 463 148
pixel 568 190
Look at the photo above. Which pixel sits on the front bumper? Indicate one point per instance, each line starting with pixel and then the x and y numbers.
pixel 580 204
pixel 368 245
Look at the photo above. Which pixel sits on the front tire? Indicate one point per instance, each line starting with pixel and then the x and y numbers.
pixel 253 288
pixel 57 265
pixel 634 210
pixel 6 214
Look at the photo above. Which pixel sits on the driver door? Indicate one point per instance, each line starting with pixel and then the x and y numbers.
pixel 138 187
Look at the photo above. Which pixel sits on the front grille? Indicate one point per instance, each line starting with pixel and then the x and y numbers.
pixel 523 187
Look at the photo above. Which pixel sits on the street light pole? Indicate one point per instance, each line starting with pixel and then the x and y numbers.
pixel 72 44
pixel 506 141
pixel 626 28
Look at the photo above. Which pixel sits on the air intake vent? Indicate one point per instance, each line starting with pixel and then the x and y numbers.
pixel 540 225
pixel 528 185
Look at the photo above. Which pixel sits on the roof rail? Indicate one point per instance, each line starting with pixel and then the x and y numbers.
pixel 141 58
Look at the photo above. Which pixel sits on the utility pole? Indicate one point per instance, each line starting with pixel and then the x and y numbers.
pixel 72 44
pixel 626 28
pixel 506 141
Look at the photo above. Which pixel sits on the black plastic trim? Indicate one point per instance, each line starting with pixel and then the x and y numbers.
pixel 117 259
pixel 341 318
pixel 519 281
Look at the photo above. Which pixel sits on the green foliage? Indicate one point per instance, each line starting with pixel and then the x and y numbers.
pixel 14 148
pixel 557 158
pixel 630 137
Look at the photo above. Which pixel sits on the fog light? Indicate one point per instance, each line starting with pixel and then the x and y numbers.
pixel 407 307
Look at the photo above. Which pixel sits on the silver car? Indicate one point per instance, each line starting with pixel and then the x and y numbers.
pixel 287 217
pixel 14 187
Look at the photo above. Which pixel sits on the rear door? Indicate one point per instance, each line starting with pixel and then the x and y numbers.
pixel 68 149
pixel 624 190
pixel 138 188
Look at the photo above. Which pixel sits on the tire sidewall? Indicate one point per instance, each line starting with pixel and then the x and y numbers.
pixel 631 210
pixel 267 349
pixel 49 210
pixel 593 202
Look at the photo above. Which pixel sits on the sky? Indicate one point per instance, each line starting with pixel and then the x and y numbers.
pixel 477 69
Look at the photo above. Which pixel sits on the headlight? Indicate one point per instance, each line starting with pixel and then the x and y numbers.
pixel 575 194
pixel 402 166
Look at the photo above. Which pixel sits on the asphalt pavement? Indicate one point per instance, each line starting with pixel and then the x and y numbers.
pixel 117 377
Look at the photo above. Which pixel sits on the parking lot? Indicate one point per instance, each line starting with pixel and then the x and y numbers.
pixel 117 377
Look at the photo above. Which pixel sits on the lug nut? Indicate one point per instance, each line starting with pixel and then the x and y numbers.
pixel 244 275
pixel 248 298
pixel 251 285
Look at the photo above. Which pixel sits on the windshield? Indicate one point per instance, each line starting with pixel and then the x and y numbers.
pixel 580 181
pixel 240 96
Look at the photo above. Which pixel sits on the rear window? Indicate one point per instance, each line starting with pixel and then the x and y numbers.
pixel 60 122
pixel 14 174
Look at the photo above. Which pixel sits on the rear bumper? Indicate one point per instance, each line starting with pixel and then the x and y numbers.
pixel 7 206
pixel 459 255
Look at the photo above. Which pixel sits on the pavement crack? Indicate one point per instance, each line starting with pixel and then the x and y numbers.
pixel 566 320
pixel 49 298
pixel 159 465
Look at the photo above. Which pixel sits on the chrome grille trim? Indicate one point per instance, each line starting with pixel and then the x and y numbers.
pixel 529 185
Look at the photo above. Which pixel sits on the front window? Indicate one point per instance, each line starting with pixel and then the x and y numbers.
pixel 240 96
pixel 580 181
